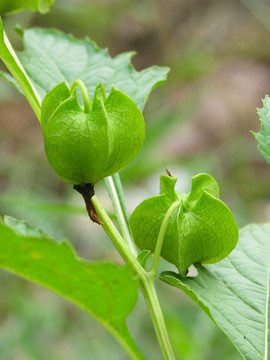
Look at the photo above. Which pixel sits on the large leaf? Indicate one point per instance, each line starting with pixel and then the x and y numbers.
pixel 12 6
pixel 105 290
pixel 235 292
pixel 51 57
pixel 263 137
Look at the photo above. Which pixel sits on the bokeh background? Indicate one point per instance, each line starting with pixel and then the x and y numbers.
pixel 198 121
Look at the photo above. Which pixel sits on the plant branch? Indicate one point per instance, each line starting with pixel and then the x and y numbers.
pixel 161 235
pixel 150 296
pixel 115 191
pixel 117 239
pixel 12 62
pixel 146 280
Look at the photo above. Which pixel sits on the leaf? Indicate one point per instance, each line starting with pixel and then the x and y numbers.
pixel 84 147
pixel 105 290
pixel 235 292
pixel 23 228
pixel 201 230
pixel 51 57
pixel 263 137
pixel 10 80
pixel 143 257
pixel 12 6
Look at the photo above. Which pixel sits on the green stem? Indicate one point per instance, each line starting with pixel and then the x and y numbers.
pixel 86 101
pixel 150 295
pixel 114 188
pixel 116 238
pixel 161 235
pixel 146 281
pixel 15 67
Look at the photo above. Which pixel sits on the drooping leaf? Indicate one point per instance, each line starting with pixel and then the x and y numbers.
pixel 201 230
pixel 235 292
pixel 263 137
pixel 51 57
pixel 13 6
pixel 84 147
pixel 105 290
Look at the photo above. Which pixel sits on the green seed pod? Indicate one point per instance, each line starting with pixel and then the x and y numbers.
pixel 201 228
pixel 85 145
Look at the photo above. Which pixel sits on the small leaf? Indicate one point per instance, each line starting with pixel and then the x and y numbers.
pixel 143 257
pixel 235 292
pixel 13 6
pixel 263 137
pixel 84 147
pixel 51 57
pixel 105 290
pixel 201 230
pixel 6 76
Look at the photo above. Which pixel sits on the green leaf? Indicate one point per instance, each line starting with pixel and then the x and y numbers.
pixel 235 292
pixel 51 57
pixel 12 6
pixel 201 230
pixel 105 290
pixel 143 257
pixel 23 228
pixel 6 76
pixel 84 147
pixel 263 137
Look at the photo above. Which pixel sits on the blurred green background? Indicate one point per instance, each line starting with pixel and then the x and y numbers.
pixel 198 121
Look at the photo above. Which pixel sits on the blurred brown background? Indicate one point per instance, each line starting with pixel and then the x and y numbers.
pixel 198 121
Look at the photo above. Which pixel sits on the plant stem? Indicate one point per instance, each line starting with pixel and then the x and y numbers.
pixel 114 188
pixel 150 296
pixel 15 67
pixel 86 101
pixel 146 281
pixel 161 235
pixel 116 238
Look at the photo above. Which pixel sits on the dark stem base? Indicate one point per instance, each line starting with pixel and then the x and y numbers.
pixel 87 191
